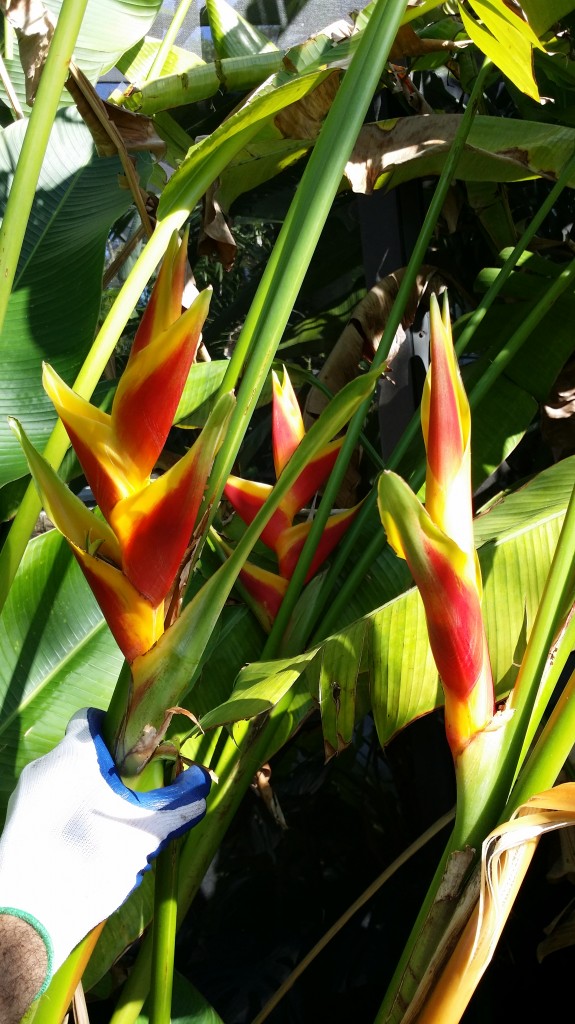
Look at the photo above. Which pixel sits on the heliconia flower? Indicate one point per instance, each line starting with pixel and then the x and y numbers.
pixel 452 609
pixel 154 525
pixel 132 560
pixel 285 537
pixel 248 496
pixel 437 543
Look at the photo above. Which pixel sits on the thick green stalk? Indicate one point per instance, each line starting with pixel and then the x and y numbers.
pixel 201 82
pixel 164 935
pixel 294 248
pixel 26 175
pixel 334 483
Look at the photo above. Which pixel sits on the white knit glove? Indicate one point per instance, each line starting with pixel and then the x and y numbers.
pixel 77 841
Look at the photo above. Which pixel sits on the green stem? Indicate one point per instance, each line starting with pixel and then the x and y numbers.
pixel 23 190
pixel 550 752
pixel 168 40
pixel 164 935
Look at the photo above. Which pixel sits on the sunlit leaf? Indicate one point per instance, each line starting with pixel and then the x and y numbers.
pixel 55 302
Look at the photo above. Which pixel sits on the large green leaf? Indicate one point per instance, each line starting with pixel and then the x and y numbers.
pixel 232 35
pixel 56 655
pixel 504 414
pixel 389 153
pixel 109 28
pixel 517 539
pixel 54 306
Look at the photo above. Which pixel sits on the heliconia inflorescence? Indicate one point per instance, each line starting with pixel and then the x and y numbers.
pixel 131 560
pixel 437 542
pixel 282 534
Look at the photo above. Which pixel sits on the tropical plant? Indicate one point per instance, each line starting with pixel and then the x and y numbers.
pixel 206 606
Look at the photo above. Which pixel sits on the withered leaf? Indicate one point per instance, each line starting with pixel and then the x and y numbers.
pixel 34 29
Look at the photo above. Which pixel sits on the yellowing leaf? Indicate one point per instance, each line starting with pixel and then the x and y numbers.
pixel 511 49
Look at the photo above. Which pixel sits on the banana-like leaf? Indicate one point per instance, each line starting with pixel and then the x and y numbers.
pixel 389 153
pixel 517 539
pixel 55 302
pixel 232 35
pixel 200 393
pixel 57 656
pixel 109 27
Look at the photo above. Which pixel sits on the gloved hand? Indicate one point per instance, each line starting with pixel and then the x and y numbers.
pixel 77 841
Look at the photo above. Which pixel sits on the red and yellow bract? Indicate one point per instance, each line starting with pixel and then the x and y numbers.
pixel 437 543
pixel 285 537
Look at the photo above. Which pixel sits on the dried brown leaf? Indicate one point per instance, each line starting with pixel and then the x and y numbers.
pixel 110 125
pixel 34 29
pixel 303 120
pixel 216 238
pixel 408 44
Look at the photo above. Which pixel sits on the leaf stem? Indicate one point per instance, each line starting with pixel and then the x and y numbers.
pixel 54 75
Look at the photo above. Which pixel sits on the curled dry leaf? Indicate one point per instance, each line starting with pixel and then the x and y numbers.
pixel 506 855
pixel 216 238
pixel 112 127
pixel 383 146
pixel 34 29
